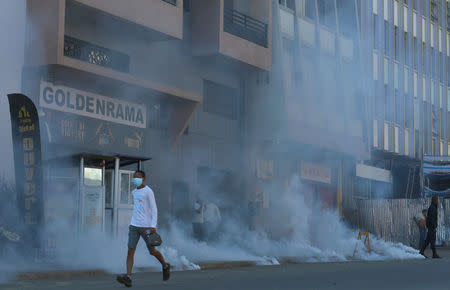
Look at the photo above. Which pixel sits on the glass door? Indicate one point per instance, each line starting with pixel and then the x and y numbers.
pixel 124 202
pixel 93 199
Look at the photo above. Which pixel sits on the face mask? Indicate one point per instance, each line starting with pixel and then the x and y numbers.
pixel 137 181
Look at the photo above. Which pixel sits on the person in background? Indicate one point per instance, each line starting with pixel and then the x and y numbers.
pixel 198 220
pixel 432 222
pixel 421 222
pixel 143 224
pixel 212 219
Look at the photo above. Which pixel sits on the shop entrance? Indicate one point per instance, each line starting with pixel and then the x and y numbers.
pixel 105 194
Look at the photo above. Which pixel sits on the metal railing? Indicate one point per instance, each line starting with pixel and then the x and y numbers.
pixel 173 2
pixel 246 27
pixel 91 53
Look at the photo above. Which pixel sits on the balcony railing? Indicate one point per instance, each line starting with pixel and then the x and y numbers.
pixel 173 2
pixel 91 53
pixel 246 27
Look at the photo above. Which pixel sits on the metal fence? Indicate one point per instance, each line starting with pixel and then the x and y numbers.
pixel 392 219
pixel 91 53
pixel 246 27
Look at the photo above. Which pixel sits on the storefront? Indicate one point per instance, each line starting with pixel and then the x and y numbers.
pixel 95 132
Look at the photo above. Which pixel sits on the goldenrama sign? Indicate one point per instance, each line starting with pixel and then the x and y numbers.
pixel 86 104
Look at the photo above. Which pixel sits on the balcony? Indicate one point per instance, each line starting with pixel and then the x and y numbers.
pixel 245 27
pixel 242 32
pixel 94 54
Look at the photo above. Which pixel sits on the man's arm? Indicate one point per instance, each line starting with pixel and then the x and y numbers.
pixel 153 209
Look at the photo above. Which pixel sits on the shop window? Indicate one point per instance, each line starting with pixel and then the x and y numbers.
pixel 220 100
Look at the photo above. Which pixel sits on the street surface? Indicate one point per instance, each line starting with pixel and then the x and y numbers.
pixel 411 274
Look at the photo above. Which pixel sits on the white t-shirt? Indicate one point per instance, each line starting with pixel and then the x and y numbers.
pixel 145 212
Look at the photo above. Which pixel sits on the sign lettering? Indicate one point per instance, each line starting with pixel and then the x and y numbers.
pixel 91 105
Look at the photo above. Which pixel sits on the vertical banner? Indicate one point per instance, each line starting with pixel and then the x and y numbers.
pixel 27 163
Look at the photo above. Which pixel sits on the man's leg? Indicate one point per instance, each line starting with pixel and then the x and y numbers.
pixel 130 261
pixel 425 244
pixel 423 233
pixel 133 238
pixel 158 256
pixel 433 245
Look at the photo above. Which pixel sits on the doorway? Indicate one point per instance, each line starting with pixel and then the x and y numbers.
pixel 106 193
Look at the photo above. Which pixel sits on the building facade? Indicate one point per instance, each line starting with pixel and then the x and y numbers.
pixel 229 100
pixel 153 84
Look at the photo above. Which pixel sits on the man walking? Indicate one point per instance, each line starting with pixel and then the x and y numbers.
pixel 421 222
pixel 143 224
pixel 432 219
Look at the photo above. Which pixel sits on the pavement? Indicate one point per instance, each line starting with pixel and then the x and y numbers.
pixel 392 274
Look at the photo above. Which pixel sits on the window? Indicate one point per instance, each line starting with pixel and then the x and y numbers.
pixel 347 17
pixel 415 79
pixel 405 18
pixel 187 5
pixel 310 8
pixel 287 3
pixel 386 71
pixel 375 6
pixel 396 13
pixel 375 66
pixel 424 29
pixel 396 75
pixel 386 9
pixel 432 34
pixel 220 100
pixel 327 16
pixel 415 24
pixel 387 38
pixel 441 100
pixel 406 79
pixel 424 89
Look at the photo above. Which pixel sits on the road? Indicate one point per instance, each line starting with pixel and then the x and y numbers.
pixel 426 274
pixel 412 274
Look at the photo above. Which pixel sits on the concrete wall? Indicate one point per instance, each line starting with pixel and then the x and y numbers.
pixel 154 14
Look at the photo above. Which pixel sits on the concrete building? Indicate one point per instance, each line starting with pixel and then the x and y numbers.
pixel 158 85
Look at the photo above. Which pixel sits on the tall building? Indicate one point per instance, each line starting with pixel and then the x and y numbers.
pixel 357 94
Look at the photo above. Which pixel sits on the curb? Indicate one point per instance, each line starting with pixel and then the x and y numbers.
pixel 92 273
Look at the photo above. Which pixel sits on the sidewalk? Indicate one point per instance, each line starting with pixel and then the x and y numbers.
pixel 444 252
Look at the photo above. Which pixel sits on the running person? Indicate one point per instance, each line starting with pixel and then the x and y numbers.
pixel 143 224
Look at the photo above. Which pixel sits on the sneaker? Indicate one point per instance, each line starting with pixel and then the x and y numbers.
pixel 125 280
pixel 436 256
pixel 166 272
pixel 423 254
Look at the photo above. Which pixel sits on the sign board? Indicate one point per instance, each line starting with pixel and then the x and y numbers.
pixel 373 173
pixel 27 163
pixel 315 172
pixel 86 104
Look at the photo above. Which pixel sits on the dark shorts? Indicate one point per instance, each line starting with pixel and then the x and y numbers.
pixel 134 233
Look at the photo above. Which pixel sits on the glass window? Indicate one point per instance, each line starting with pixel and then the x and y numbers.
pixel 405 18
pixel 395 75
pixel 327 16
pixel 415 24
pixel 415 80
pixel 424 89
pixel 432 34
pixel 406 79
pixel 386 71
pixel 424 30
pixel 125 190
pixel 433 83
pixel 93 176
pixel 375 66
pixel 441 100
pixel 375 6
pixel 396 13
pixel 386 9
pixel 310 9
